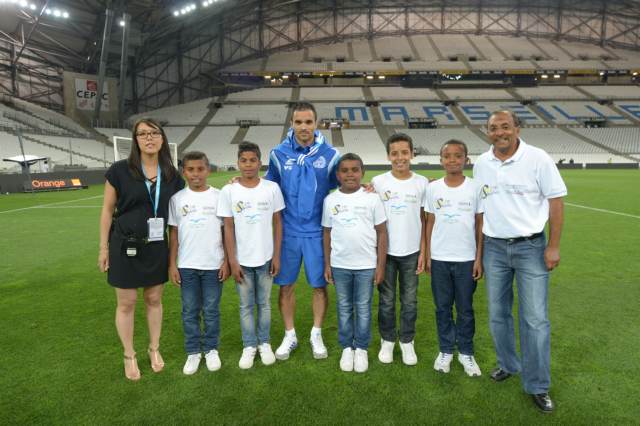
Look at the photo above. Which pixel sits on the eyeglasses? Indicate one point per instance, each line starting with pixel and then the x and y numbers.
pixel 153 133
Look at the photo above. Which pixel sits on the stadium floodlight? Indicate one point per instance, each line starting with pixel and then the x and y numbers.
pixel 556 76
pixel 544 76
pixel 32 6
pixel 57 13
pixel 176 13
pixel 65 15
pixel 23 3
pixel 121 23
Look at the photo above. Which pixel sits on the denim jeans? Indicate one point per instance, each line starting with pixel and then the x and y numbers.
pixel 200 291
pixel 403 270
pixel 452 282
pixel 525 260
pixel 354 293
pixel 254 290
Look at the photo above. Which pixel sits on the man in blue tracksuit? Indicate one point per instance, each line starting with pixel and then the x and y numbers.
pixel 304 165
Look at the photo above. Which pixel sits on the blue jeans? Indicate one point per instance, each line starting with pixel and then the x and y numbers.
pixel 452 282
pixel 403 270
pixel 200 291
pixel 255 290
pixel 354 293
pixel 525 260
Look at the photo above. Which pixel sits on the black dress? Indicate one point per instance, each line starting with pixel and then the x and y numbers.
pixel 133 208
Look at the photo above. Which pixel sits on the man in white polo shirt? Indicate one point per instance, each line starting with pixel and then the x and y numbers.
pixel 522 189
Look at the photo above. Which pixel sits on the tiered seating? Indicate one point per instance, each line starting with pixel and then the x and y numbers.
pixel 273 94
pixel 574 112
pixel 329 52
pixel 424 48
pixel 356 113
pixel 315 94
pixel 551 50
pixel 613 92
pixel 266 114
pixel 433 139
pixel 396 113
pixel 517 46
pixel 57 119
pixel 453 44
pixel 478 112
pixel 266 137
pixel 550 92
pixel 216 143
pixel 361 51
pixel 556 141
pixel 385 93
pixel 487 49
pixel 177 134
pixel 463 94
pixel 366 143
pixel 393 47
pixel 189 113
pixel 621 139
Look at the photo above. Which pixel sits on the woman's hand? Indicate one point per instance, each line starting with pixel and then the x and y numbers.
pixel 103 259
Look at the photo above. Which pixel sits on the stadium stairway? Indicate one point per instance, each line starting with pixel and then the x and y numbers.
pixel 240 135
pixel 383 131
pixel 635 120
pixel 594 143
pixel 413 48
pixel 497 47
pixel 435 48
pixel 336 137
pixel 584 92
pixel 481 55
pixel 193 135
pixel 541 114
pixel 70 131
pixel 545 55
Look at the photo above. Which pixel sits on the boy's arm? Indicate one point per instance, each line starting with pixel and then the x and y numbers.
pixel 431 220
pixel 224 272
pixel 477 264
pixel 423 239
pixel 326 248
pixel 277 243
pixel 230 245
pixel 381 233
pixel 174 274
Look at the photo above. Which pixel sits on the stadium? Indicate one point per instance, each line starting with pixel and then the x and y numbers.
pixel 75 76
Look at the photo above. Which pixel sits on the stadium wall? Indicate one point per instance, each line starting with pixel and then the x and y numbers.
pixel 12 183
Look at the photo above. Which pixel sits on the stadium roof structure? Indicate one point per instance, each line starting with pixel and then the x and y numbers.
pixel 168 54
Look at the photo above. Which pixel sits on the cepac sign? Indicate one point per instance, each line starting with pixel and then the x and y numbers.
pixel 53 184
pixel 87 92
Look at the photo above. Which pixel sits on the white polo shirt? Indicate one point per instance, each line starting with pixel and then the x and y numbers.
pixel 516 191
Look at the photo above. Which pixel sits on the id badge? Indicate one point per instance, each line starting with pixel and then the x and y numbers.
pixel 156 229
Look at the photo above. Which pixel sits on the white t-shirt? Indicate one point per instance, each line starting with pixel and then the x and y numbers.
pixel 453 238
pixel 199 228
pixel 402 200
pixel 516 191
pixel 252 210
pixel 352 219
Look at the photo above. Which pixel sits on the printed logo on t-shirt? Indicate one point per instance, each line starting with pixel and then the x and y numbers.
pixel 442 203
pixel 187 209
pixel 398 208
pixel 337 209
pixel 242 206
pixel 450 218
pixel 389 195
pixel 320 163
pixel 486 191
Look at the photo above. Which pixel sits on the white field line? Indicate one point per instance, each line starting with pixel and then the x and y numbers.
pixel 603 210
pixel 51 204
pixel 69 207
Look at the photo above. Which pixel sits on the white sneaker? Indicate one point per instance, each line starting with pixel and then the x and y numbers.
pixel 192 364
pixel 470 366
pixel 346 361
pixel 246 360
pixel 266 354
pixel 409 356
pixel 361 361
pixel 386 351
pixel 443 362
pixel 213 360
pixel 287 346
pixel 317 347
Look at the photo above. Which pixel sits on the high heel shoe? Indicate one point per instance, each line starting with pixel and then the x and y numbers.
pixel 157 364
pixel 131 370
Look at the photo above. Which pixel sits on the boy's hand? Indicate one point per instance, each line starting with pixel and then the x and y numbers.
pixel 275 266
pixel 237 273
pixel 420 267
pixel 427 266
pixel 368 187
pixel 378 276
pixel 477 270
pixel 174 275
pixel 328 276
pixel 223 274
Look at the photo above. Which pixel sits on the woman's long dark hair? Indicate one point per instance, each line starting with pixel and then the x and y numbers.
pixel 164 156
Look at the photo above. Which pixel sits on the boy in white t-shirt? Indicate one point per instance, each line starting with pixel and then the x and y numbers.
pixel 197 261
pixel 355 248
pixel 454 256
pixel 402 193
pixel 251 209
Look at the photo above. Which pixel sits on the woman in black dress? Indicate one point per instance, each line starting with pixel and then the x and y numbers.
pixel 133 245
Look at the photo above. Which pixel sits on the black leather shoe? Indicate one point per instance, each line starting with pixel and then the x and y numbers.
pixel 543 402
pixel 498 375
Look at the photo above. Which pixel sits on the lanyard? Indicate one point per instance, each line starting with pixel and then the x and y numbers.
pixel 147 182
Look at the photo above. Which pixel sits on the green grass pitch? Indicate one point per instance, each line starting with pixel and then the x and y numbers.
pixel 61 361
